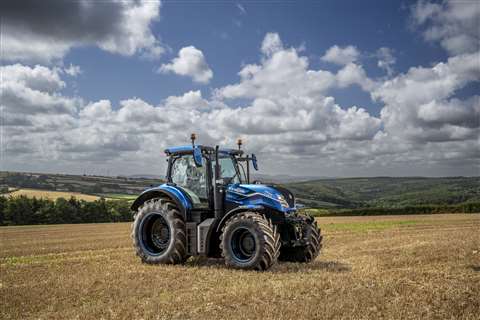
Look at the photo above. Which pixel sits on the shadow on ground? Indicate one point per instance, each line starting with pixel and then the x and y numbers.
pixel 475 268
pixel 281 267
pixel 318 265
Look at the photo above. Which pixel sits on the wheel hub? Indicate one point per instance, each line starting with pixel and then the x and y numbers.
pixel 155 234
pixel 243 244
pixel 248 243
pixel 160 234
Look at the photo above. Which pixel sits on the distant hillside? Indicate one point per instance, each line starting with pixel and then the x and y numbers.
pixel 77 183
pixel 386 192
pixel 381 192
pixel 283 178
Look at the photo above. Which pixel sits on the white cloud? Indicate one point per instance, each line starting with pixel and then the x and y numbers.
pixel 271 44
pixel 190 62
pixel 341 56
pixel 73 70
pixel 420 105
pixel 456 112
pixel 191 100
pixel 453 23
pixel 35 32
pixel 33 90
pixel 241 8
pixel 386 60
pixel 286 116
pixel 354 74
pixel 283 72
pixel 97 111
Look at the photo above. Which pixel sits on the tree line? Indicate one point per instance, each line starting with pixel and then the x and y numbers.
pixel 21 210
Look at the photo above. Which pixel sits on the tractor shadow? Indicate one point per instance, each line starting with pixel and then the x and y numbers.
pixel 318 265
pixel 281 267
pixel 205 262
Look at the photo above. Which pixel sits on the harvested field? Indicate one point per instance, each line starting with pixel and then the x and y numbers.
pixel 52 195
pixel 399 267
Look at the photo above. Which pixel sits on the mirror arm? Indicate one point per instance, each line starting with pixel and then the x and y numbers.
pixel 248 171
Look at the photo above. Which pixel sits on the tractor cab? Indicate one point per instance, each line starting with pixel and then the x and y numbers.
pixel 210 207
pixel 194 174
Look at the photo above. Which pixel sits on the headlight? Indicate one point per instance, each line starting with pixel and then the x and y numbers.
pixel 282 201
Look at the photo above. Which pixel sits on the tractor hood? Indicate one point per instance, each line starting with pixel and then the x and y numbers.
pixel 257 194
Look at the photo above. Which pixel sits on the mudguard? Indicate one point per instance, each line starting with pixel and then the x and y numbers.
pixel 182 200
pixel 232 212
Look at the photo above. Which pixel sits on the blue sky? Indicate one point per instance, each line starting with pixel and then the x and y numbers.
pixel 230 37
pixel 330 88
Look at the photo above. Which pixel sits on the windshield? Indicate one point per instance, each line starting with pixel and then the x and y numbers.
pixel 228 169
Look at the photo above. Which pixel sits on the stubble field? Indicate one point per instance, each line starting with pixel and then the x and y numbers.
pixel 395 267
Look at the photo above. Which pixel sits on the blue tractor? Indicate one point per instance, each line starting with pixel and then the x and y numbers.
pixel 209 207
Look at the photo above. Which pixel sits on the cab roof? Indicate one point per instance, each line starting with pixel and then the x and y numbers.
pixel 189 149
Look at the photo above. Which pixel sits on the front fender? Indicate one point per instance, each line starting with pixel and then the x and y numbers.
pixel 234 211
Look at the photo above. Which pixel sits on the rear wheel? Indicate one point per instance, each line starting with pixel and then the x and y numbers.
pixel 250 241
pixel 308 252
pixel 158 233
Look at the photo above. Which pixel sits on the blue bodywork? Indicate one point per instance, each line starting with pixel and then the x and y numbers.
pixel 176 194
pixel 256 195
pixel 239 195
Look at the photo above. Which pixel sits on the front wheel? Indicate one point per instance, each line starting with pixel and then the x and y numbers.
pixel 250 241
pixel 308 252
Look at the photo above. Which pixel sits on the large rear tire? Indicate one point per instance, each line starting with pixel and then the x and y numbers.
pixel 250 241
pixel 308 252
pixel 158 233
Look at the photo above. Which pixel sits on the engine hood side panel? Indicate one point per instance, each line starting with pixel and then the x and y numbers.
pixel 255 194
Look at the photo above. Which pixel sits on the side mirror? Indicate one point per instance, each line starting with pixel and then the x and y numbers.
pixel 254 162
pixel 197 156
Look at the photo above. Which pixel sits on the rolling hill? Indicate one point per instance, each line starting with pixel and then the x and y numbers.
pixel 386 192
pixel 379 192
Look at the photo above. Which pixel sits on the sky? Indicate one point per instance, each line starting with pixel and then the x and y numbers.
pixel 314 88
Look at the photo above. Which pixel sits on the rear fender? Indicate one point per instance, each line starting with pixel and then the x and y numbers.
pixel 177 196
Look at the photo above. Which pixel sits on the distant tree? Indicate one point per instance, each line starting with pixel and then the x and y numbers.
pixel 3 204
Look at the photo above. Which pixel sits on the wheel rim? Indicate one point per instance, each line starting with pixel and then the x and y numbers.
pixel 243 245
pixel 155 234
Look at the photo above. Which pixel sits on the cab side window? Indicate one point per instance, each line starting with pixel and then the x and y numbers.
pixel 191 178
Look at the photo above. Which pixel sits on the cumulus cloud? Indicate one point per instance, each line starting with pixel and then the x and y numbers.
pixel 32 90
pixel 286 115
pixel 386 59
pixel 271 44
pixel 341 55
pixel 73 70
pixel 354 74
pixel 190 62
pixel 47 30
pixel 98 131
pixel 454 24
pixel 284 72
pixel 420 105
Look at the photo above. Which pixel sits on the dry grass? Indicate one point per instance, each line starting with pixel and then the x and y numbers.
pixel 52 195
pixel 371 267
